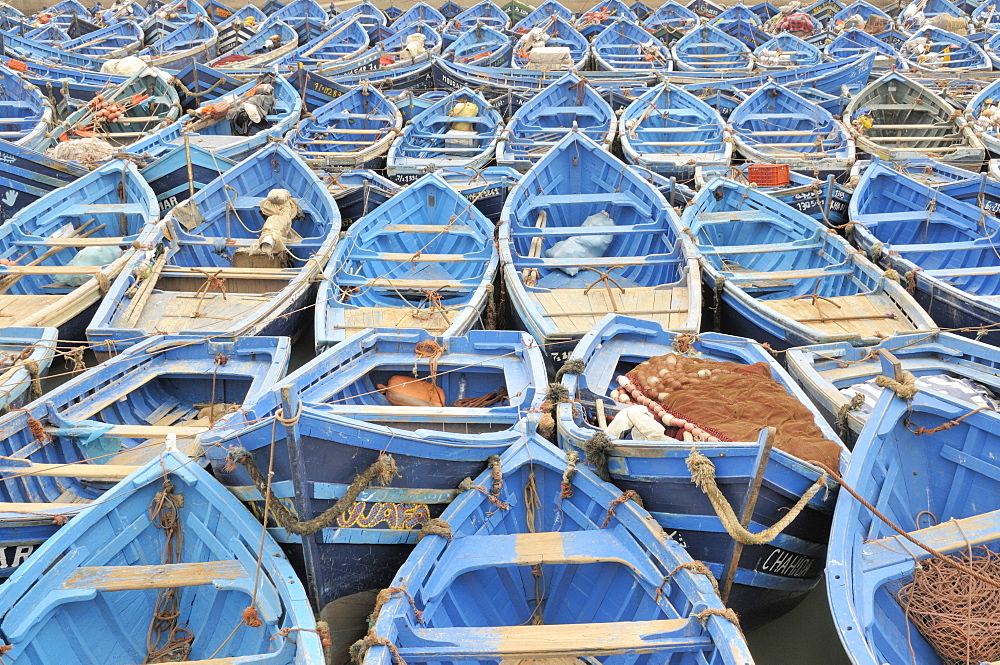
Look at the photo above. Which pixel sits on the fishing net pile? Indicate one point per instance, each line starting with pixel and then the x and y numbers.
pixel 958 614
pixel 724 401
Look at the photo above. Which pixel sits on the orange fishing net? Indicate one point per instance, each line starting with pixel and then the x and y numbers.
pixel 731 401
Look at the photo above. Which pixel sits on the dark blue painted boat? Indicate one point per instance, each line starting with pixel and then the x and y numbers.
pixel 239 27
pixel 487 188
pixel 316 90
pixel 769 579
pixel 357 192
pixel 27 175
pixel 94 578
pixel 940 246
pixel 450 9
pixel 346 424
pixel 221 233
pixel 941 490
pixel 177 175
pixel 741 22
pixel 825 201
pixel 640 9
pixel 833 374
pixel 578 190
pixel 423 260
pixel 602 578
pixel 541 14
pixel 784 279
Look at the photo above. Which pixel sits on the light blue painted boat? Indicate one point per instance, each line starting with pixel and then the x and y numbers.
pixel 305 16
pixel 940 246
pixel 480 45
pixel 544 120
pixel 421 12
pixel 641 264
pixel 775 125
pixel 194 41
pixel 109 42
pixel 346 423
pixel 670 131
pixel 786 50
pixel 986 16
pixel 825 201
pixel 938 489
pixel 932 49
pixel 28 175
pixel 25 357
pixel 825 370
pixel 111 207
pixel 425 259
pixel 220 234
pixel 860 8
pixel 371 17
pixel 199 84
pixel 541 14
pixel 237 29
pixel 561 34
pixel 600 16
pixel 220 137
pixel 351 131
pixel 24 113
pixel 603 594
pixel 929 9
pixel 439 138
pixel 623 45
pixel 22 48
pixel 177 175
pixel 392 46
pixel 988 97
pixel 344 40
pixel 784 279
pixel 95 578
pixel 855 41
pixel 274 41
pixel 671 15
pixel 769 579
pixel 485 13
pixel 708 48
pixel 741 22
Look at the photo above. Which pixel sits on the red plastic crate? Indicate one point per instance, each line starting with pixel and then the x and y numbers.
pixel 768 175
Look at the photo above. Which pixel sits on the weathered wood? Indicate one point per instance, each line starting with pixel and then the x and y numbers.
pixel 423 228
pixel 405 257
pixel 50 270
pixel 946 537
pixel 148 431
pixel 77 470
pixel 229 273
pixel 82 242
pixel 34 508
pixel 164 576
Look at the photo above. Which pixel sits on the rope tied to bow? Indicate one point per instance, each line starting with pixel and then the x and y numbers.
pixel 566 486
pixel 31 367
pixel 598 449
pixel 703 475
pixel 726 613
pixel 360 648
pixel 920 431
pixel 617 501
pixel 905 389
pixel 572 366
pixel 843 421
pixel 431 350
pixel 381 471
pixel 435 527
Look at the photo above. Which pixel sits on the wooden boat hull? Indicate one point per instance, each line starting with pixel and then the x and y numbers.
pixel 18 377
pixel 770 579
pixel 177 175
pixel 357 192
pixel 28 175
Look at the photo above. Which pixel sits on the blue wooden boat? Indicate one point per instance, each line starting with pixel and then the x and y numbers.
pixel 480 45
pixel 932 49
pixel 95 578
pixel 24 113
pixel 460 130
pixel 640 9
pixel 194 41
pixel 420 12
pixel 930 127
pixel 545 10
pixel 392 12
pixel 940 246
pixel 767 579
pixel 561 34
pixel 544 120
pixel 600 16
pixel 859 8
pixel 602 580
pixel 25 49
pixel 765 10
pixel 357 192
pixel 393 46
pixel 485 13
pixel 670 15
pixel 372 18
pixel 824 10
pixel 112 41
pixel 423 260
pixel 560 287
pixel 217 11
pixel 991 47
pixel 936 174
pixel 274 41
pixel 412 103
pixel 894 37
pixel 178 174
pixel 352 131
pixel 775 125
pixel 344 40
pixel 28 175
pixel 146 101
pixel 168 17
pixel 239 27
pixel 486 189
pixel 450 9
pixel 704 8
pixel 227 267
pixel 25 357
pixel 198 83
pixel 981 109
pixel 938 489
pixel 770 267
pixel 854 41
pixel 672 132
pixel 219 135
pixel 987 16
pixel 389 70
pixel 707 48
pixel 307 17
pixel 50 34
pixel 346 424
pixel 833 374
pixel 786 50
pixel 825 201
pixel 741 22
pixel 315 89
pixel 54 276
pixel 907 16
pixel 623 45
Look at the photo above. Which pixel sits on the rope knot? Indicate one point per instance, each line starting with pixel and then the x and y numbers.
pixel 572 366
pixel 598 449
pixel 906 389
pixel 726 613
pixel 251 618
pixel 566 487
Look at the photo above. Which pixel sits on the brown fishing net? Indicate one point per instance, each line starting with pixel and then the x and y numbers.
pixel 958 614
pixel 733 402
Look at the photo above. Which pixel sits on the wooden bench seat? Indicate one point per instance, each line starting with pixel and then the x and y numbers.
pixel 163 576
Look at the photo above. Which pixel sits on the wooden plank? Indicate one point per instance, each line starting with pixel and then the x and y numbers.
pixel 423 228
pixel 148 431
pixel 946 537
pixel 50 270
pixel 33 508
pixel 164 576
pixel 405 257
pixel 81 242
pixel 556 641
pixel 229 273
pixel 113 472
pixel 863 315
